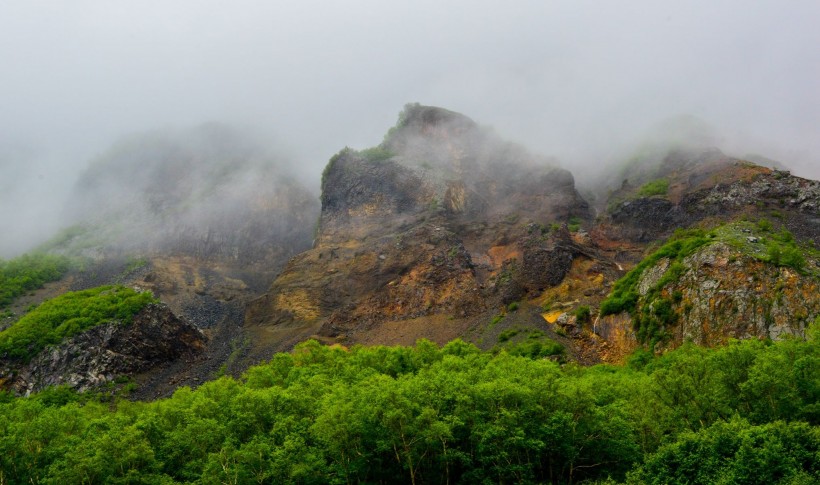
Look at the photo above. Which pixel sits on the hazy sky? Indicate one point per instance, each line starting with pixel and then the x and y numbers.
pixel 575 79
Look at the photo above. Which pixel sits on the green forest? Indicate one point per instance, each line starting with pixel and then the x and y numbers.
pixel 744 413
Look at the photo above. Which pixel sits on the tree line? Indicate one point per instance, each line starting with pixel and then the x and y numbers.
pixel 744 413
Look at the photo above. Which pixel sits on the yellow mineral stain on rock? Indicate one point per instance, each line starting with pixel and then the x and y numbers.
pixel 552 317
pixel 299 303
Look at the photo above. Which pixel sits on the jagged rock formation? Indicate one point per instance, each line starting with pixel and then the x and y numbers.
pixel 725 294
pixel 441 223
pixel 205 218
pixel 155 338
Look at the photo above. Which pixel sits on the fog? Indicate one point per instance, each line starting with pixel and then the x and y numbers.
pixel 583 81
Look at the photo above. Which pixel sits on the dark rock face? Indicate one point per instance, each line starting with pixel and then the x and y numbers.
pixel 354 184
pixel 155 337
pixel 712 185
pixel 644 219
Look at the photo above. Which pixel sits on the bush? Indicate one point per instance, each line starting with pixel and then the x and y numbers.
pixel 376 154
pixel 764 225
pixel 582 314
pixel 574 224
pixel 743 413
pixel 737 452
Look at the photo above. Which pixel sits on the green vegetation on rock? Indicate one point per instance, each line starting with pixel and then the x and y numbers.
pixel 29 272
pixel 655 187
pixel 624 295
pixel 376 154
pixel 68 315
pixel 739 414
pixel 653 313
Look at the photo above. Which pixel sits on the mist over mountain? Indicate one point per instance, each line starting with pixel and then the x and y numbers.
pixel 209 191
pixel 578 81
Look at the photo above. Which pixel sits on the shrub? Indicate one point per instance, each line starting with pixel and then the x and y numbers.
pixel 507 334
pixel 376 154
pixel 574 224
pixel 582 314
pixel 764 225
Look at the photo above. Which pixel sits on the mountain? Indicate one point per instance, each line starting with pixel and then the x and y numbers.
pixel 442 231
pixel 424 236
pixel 445 231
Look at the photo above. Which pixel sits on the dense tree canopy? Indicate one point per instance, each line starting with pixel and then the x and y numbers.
pixel 745 413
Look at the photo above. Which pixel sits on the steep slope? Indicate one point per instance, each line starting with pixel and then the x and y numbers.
pixel 424 236
pixel 442 231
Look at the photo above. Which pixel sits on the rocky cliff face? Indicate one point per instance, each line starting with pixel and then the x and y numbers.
pixel 442 231
pixel 725 294
pixel 205 218
pixel 155 338
pixel 427 232
pixel 435 231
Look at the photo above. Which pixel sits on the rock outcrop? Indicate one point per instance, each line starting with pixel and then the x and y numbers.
pixel 100 355
pixel 442 231
pixel 724 294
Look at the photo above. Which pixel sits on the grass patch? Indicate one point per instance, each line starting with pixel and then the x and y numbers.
pixel 29 272
pixel 656 313
pixel 376 154
pixel 574 224
pixel 655 187
pixel 583 314
pixel 624 296
pixel 534 346
pixel 68 315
